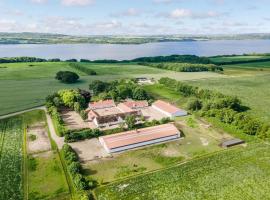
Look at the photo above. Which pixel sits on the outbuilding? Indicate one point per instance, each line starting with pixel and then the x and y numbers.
pixel 168 109
pixel 232 142
pixel 138 138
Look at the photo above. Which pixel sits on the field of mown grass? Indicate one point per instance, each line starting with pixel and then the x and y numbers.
pixel 238 173
pixel 24 86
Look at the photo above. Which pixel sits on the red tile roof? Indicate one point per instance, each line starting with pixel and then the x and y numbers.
pixel 140 135
pixel 165 106
pixel 101 104
pixel 123 108
pixel 136 104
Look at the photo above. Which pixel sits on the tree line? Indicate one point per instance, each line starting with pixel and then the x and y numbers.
pixel 171 58
pixel 118 90
pixel 227 109
pixel 185 67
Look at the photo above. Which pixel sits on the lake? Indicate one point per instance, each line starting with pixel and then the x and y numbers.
pixel 120 52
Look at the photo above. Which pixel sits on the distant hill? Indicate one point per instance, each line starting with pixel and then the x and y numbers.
pixel 48 38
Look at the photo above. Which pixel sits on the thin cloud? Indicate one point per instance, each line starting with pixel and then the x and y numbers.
pixel 77 2
pixel 39 1
pixel 131 12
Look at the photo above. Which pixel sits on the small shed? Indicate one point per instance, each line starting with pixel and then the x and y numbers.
pixel 232 142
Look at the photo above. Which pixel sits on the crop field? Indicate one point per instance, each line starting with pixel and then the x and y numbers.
pixel 11 157
pixel 239 173
pixel 24 86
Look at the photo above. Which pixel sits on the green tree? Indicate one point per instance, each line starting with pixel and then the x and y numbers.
pixel 98 86
pixel 130 121
pixel 67 76
pixel 194 105
pixel 139 94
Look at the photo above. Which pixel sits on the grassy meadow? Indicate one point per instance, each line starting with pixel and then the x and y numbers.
pixel 25 85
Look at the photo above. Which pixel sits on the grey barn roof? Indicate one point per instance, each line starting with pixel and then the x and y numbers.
pixel 232 142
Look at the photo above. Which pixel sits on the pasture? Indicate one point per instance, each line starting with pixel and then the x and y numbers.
pixel 24 86
pixel 238 173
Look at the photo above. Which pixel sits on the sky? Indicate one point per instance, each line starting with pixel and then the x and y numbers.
pixel 135 17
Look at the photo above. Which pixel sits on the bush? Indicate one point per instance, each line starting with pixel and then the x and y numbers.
pixel 83 115
pixel 67 76
pixel 194 104
pixel 76 135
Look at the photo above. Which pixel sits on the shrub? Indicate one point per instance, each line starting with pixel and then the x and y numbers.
pixel 194 104
pixel 67 76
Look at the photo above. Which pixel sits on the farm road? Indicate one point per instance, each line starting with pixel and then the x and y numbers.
pixel 59 140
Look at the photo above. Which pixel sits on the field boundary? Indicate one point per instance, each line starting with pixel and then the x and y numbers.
pixel 12 114
pixel 25 166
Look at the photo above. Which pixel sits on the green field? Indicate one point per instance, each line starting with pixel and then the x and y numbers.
pixel 11 158
pixel 252 90
pixel 24 86
pixel 238 58
pixel 239 173
pixel 46 178
pixel 38 176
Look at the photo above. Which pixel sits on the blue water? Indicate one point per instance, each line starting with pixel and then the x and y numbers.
pixel 121 52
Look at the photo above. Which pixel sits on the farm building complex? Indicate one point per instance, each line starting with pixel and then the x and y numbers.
pixel 138 138
pixel 168 109
pixel 107 114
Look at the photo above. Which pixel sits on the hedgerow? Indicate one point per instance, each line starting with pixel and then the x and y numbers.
pixel 227 109
pixel 185 67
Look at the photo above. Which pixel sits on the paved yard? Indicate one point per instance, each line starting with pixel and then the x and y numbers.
pixel 89 150
pixel 150 114
pixel 73 120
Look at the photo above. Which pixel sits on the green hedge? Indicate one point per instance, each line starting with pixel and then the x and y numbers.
pixel 75 169
pixel 227 109
pixel 185 67
pixel 83 69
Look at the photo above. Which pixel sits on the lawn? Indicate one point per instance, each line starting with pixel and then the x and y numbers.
pixel 238 173
pixel 46 178
pixel 197 141
pixel 24 86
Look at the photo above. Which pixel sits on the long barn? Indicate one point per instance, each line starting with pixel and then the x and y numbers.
pixel 138 138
